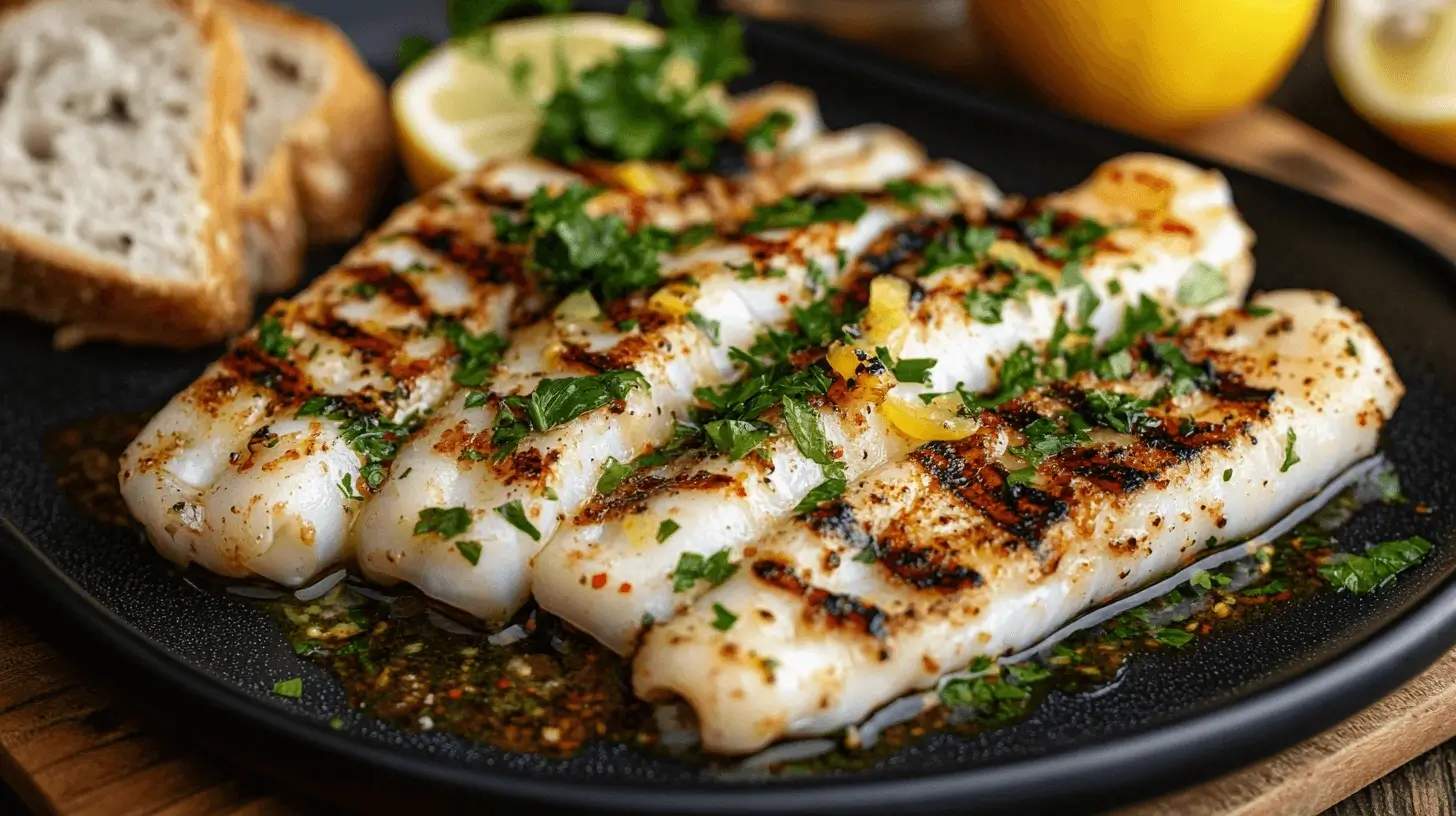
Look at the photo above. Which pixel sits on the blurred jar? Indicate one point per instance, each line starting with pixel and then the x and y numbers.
pixel 1149 66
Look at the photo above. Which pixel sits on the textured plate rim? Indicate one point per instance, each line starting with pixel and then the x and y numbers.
pixel 1163 758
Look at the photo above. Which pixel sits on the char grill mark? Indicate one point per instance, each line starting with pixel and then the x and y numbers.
pixel 923 567
pixel 397 288
pixel 485 263
pixel 1102 467
pixel 834 609
pixel 631 497
pixel 904 242
pixel 962 468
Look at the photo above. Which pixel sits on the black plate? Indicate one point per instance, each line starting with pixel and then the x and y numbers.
pixel 1173 718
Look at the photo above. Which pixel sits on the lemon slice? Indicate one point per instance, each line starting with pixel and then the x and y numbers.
pixel 1395 62
pixel 466 103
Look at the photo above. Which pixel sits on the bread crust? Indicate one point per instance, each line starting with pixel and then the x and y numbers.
pixel 342 151
pixel 96 300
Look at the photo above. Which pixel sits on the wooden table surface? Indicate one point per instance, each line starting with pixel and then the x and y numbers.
pixel 1425 786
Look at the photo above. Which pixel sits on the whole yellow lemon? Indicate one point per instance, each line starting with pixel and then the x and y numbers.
pixel 1150 66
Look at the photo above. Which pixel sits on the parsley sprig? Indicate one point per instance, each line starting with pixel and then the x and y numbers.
pixel 555 402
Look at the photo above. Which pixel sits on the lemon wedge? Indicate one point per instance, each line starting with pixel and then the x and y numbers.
pixel 1395 62
pixel 473 100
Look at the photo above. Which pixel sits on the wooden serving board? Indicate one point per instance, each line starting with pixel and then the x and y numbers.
pixel 68 744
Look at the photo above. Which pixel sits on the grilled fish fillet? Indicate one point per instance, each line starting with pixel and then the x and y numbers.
pixel 607 573
pixel 936 560
pixel 453 463
pixel 259 468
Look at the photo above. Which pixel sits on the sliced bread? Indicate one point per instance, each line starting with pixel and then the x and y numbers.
pixel 120 170
pixel 317 139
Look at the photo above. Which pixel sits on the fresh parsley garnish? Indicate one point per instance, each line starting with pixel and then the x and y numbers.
pixel 1045 437
pixel 469 550
pixel 666 529
pixel 479 354
pixel 1177 638
pixel 790 212
pixel 692 568
pixel 272 339
pixel 571 251
pixel 614 472
pixel 447 522
pixel 723 620
pixel 708 327
pixel 292 688
pixel 1290 457
pixel 556 402
pixel 911 370
pixel 626 108
pixel 375 438
pixel 912 192
pixel 1377 566
pixel 968 245
pixel 513 512
pixel 764 135
pixel 1202 285
pixel 828 490
pixel 736 437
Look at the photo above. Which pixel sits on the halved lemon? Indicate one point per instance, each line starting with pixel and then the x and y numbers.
pixel 1395 61
pixel 468 102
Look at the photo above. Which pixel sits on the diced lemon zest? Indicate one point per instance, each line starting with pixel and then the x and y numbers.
pixel 674 299
pixel 889 309
pixel 926 422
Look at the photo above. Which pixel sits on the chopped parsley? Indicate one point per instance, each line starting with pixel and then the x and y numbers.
pixel 992 696
pixel 737 437
pixel 1177 638
pixel 1257 311
pixel 292 688
pixel 346 486
pixel 764 135
pixel 723 620
pixel 708 327
pixel 866 555
pixel 828 490
pixel 373 437
pixel 447 522
pixel 572 251
pixel 791 211
pixel 1228 473
pixel 958 246
pixel 556 402
pixel 272 339
pixel 614 472
pixel 1290 457
pixel 1124 413
pixel 1202 285
pixel 912 192
pixel 479 354
pixel 913 370
pixel 469 550
pixel 1377 567
pixel 666 529
pixel 513 512
pixel 1387 482
pixel 692 568
pixel 626 108
pixel 1045 437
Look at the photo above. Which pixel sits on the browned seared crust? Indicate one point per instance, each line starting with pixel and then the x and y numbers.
pixel 95 300
pixel 343 151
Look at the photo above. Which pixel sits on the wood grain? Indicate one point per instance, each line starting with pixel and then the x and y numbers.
pixel 68 746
